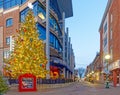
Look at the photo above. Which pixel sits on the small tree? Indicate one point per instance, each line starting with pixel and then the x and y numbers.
pixel 3 85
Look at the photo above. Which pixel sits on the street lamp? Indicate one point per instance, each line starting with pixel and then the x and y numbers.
pixel 107 58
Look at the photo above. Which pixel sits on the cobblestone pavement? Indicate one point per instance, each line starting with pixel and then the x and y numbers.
pixel 74 89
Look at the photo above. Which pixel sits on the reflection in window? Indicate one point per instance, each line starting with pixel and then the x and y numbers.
pixel 41 31
pixel 105 27
pixel 105 41
pixel 41 16
pixel 11 3
pixel 54 42
pixel 1 3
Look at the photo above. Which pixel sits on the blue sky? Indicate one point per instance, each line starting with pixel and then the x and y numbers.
pixel 83 29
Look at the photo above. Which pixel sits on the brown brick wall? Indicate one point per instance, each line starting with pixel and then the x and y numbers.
pixel 10 31
pixel 114 9
pixel 115 25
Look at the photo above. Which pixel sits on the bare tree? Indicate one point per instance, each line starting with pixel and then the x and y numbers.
pixel 81 72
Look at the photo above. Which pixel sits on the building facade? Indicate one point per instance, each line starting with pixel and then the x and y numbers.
pixel 50 18
pixel 110 41
pixel 93 70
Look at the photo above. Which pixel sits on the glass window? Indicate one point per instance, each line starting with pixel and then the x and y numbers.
pixel 51 39
pixel 8 40
pixel 54 42
pixel 1 3
pixel 23 14
pixel 23 1
pixel 54 6
pixel 105 41
pixel 6 54
pixel 111 52
pixel 41 31
pixel 54 25
pixel 42 10
pixel 105 27
pixel 111 18
pixel 35 7
pixel 111 32
pixel 9 22
pixel 9 3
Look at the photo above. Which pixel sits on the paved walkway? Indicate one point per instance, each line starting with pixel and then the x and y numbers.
pixel 74 89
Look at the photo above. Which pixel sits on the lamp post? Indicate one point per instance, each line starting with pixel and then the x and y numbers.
pixel 107 58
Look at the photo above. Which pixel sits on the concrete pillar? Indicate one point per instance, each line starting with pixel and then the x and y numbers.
pixel 47 39
pixel 114 78
pixel 63 30
pixel 64 73
pixel 67 45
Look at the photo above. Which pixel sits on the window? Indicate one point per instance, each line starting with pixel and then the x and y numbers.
pixel 41 31
pixel 105 27
pixel 23 1
pixel 10 3
pixel 8 40
pixel 6 54
pixel 54 42
pixel 51 39
pixel 111 18
pixel 111 32
pixel 111 52
pixel 55 7
pixel 1 3
pixel 23 14
pixel 105 41
pixel 9 22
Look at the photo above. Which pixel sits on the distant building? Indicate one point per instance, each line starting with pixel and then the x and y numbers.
pixel 93 70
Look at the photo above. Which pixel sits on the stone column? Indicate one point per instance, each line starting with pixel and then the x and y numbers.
pixel 47 38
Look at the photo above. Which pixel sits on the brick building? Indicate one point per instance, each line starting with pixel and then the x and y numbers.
pixel 110 41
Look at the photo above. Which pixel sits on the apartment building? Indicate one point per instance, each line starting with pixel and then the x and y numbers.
pixel 110 41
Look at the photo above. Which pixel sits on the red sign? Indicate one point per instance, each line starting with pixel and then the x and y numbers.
pixel 27 82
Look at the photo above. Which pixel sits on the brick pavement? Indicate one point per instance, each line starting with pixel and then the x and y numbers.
pixel 74 89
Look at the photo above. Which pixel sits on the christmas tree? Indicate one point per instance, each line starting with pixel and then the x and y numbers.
pixel 3 86
pixel 28 55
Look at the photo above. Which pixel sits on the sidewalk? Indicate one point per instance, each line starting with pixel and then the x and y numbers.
pixel 100 85
pixel 40 88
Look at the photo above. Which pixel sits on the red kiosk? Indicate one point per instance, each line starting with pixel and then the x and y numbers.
pixel 27 82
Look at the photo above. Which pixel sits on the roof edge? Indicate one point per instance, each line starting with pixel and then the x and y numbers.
pixel 105 13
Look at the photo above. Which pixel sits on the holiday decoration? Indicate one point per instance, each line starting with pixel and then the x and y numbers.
pixel 27 82
pixel 28 55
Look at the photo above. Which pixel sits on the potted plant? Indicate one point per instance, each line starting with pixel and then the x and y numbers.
pixel 3 86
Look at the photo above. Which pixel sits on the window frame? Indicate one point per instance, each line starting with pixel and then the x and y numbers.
pixel 9 22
